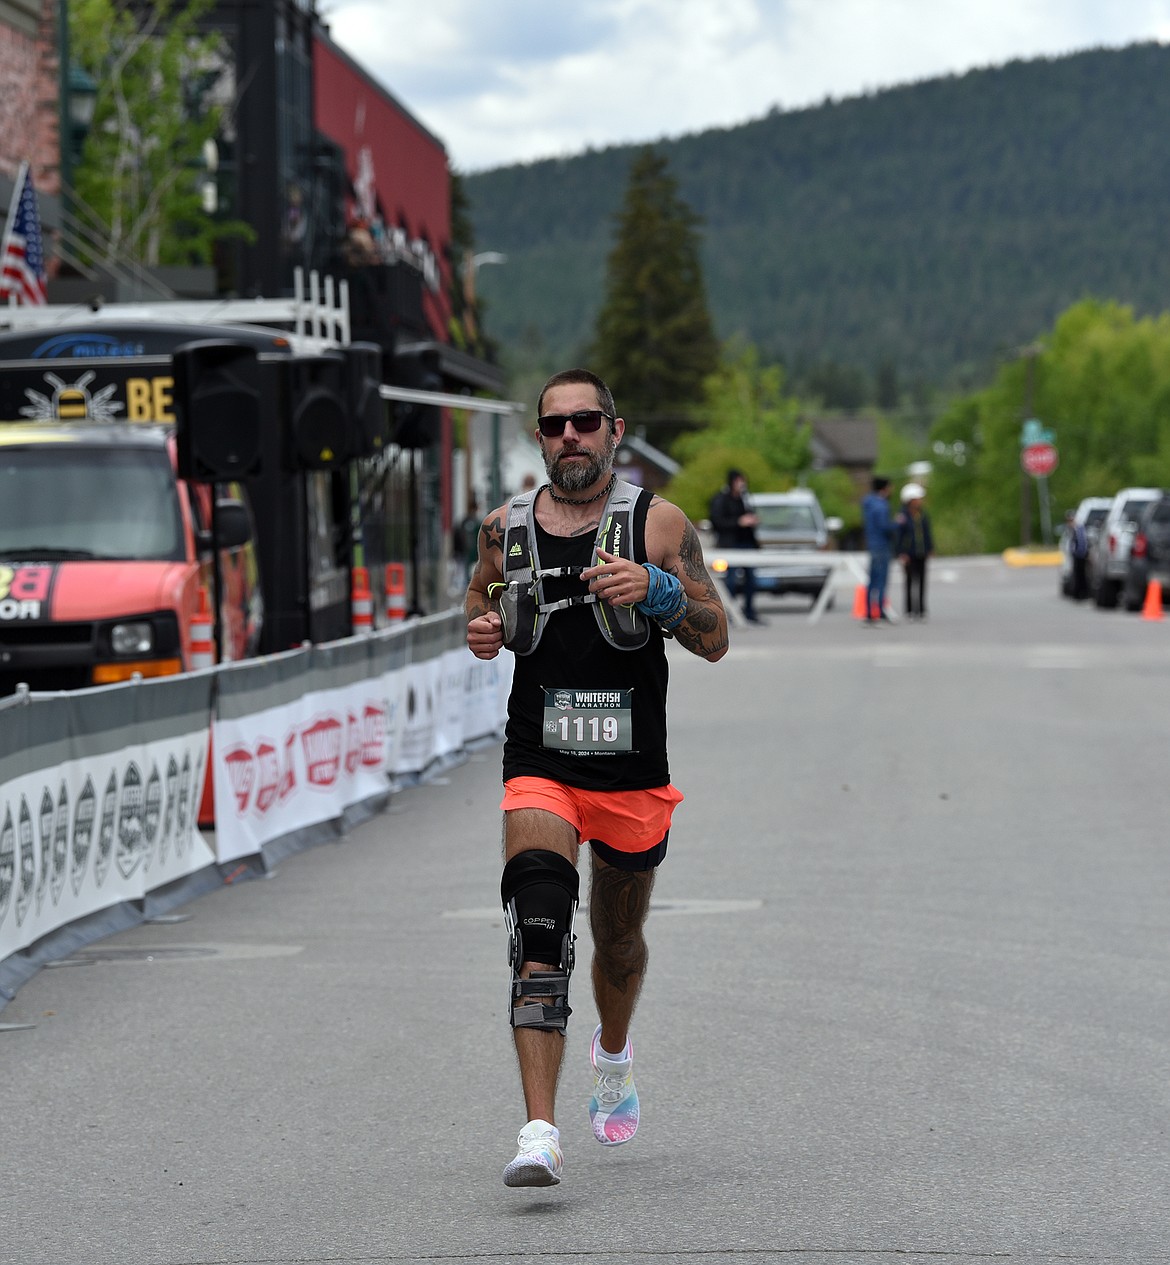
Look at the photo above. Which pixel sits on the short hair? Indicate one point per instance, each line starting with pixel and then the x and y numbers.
pixel 732 475
pixel 880 484
pixel 573 377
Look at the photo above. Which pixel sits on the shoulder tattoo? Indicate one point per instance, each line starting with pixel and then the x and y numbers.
pixel 493 534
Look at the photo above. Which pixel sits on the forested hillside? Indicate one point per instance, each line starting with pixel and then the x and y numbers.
pixel 931 230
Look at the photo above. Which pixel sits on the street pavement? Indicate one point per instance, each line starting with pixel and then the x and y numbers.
pixel 908 999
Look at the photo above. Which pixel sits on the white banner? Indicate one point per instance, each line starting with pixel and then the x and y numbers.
pixel 489 681
pixel 95 831
pixel 421 703
pixel 100 790
pixel 298 763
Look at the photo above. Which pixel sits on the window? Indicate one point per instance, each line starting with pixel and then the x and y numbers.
pixel 787 518
pixel 79 502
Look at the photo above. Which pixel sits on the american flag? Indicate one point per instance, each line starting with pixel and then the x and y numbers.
pixel 23 256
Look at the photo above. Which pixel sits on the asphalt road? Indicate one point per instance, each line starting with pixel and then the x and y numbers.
pixel 909 994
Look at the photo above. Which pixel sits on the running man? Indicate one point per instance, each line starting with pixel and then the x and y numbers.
pixel 583 578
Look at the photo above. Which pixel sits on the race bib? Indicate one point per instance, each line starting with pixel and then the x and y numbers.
pixel 588 722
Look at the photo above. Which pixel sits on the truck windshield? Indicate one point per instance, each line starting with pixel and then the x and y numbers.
pixel 59 501
pixel 787 518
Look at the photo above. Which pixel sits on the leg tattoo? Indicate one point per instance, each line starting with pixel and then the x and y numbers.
pixel 618 904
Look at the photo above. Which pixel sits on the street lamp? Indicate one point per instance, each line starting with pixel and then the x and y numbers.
pixel 82 99
pixel 77 93
pixel 473 265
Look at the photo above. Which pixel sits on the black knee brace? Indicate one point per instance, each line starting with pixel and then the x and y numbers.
pixel 540 891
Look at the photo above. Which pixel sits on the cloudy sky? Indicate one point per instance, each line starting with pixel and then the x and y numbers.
pixel 505 81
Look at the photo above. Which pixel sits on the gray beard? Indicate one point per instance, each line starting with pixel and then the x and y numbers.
pixel 577 476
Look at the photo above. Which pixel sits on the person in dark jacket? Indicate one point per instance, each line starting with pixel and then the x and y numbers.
pixel 879 533
pixel 1078 552
pixel 914 544
pixel 735 525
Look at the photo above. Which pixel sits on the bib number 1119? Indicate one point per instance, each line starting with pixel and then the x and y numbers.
pixel 588 722
pixel 594 728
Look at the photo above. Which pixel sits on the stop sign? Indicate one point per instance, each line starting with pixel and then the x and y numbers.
pixel 1038 460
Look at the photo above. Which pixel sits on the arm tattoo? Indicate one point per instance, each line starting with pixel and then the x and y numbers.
pixel 697 642
pixel 690 554
pixel 493 534
pixel 701 619
pixel 702 631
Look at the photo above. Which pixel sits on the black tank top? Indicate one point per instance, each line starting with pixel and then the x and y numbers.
pixel 574 656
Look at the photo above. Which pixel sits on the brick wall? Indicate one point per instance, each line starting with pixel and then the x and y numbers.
pixel 29 92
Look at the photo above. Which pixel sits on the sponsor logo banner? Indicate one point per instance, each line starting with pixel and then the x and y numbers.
pixel 98 830
pixel 299 763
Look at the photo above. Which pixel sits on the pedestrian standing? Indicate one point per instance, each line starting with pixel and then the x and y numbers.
pixel 583 578
pixel 914 544
pixel 879 534
pixel 735 523
pixel 1078 552
pixel 465 541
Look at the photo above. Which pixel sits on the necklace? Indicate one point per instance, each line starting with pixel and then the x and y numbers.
pixel 568 500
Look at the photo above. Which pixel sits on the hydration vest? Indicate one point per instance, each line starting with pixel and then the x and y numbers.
pixel 521 598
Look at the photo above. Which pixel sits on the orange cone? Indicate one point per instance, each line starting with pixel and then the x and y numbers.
pixel 859 594
pixel 395 591
pixel 1153 605
pixel 362 601
pixel 202 648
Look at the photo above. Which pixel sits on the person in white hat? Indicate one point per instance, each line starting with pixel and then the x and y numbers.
pixel 914 544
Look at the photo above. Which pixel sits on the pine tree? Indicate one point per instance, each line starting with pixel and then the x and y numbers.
pixel 654 341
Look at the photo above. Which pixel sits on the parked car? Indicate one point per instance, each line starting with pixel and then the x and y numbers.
pixel 1090 514
pixel 1109 556
pixel 1149 554
pixel 790 521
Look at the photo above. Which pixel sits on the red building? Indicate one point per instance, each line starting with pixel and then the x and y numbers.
pixel 398 206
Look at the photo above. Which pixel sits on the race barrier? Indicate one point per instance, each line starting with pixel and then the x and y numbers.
pixel 99 789
pixel 843 570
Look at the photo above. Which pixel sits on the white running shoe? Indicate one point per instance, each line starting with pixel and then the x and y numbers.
pixel 539 1160
pixel 613 1109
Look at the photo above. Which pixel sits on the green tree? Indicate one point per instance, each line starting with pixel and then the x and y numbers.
pixel 654 342
pixel 1101 383
pixel 750 425
pixel 140 167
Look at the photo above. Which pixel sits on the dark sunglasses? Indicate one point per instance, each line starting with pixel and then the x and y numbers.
pixel 552 425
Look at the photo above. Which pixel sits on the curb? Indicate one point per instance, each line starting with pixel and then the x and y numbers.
pixel 1032 557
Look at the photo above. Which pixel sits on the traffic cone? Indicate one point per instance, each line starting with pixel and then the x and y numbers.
pixel 202 647
pixel 859 596
pixel 1153 604
pixel 362 602
pixel 395 591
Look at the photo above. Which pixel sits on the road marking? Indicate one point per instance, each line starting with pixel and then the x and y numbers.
pixel 174 953
pixel 666 908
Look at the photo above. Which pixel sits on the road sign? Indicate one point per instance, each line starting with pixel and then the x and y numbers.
pixel 1039 460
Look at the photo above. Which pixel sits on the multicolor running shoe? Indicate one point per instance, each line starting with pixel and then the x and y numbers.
pixel 613 1109
pixel 539 1160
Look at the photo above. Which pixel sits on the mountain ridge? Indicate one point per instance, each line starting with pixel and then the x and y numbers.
pixel 933 227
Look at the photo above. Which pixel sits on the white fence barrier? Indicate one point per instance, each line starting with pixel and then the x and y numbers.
pixel 842 571
pixel 100 789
